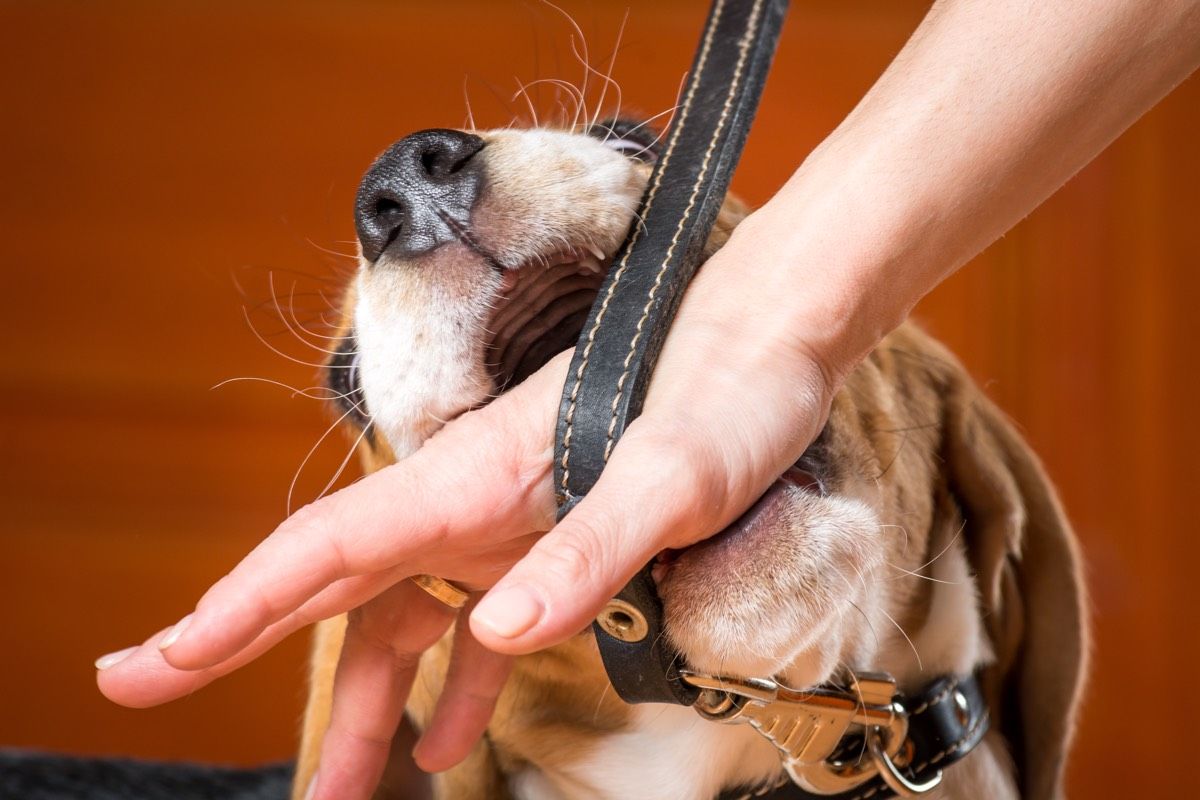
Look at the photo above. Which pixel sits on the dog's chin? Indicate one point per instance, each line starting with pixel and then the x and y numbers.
pixel 731 604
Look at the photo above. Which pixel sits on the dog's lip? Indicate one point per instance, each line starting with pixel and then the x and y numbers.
pixel 794 476
pixel 469 240
pixel 541 301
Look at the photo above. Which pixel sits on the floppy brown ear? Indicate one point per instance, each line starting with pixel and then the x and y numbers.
pixel 1028 572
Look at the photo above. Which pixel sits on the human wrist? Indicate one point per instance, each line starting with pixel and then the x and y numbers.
pixel 834 278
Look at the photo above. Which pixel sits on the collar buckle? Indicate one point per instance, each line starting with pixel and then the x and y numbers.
pixel 810 728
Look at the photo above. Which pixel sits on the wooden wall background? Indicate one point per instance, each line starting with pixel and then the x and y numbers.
pixel 163 160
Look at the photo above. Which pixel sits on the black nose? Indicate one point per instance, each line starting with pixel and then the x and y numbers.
pixel 414 192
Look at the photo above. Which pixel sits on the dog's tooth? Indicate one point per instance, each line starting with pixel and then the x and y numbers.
pixel 597 252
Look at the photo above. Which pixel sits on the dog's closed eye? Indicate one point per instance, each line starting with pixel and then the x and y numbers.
pixel 628 137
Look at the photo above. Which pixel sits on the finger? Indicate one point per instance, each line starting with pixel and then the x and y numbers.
pixel 486 474
pixel 383 645
pixel 142 677
pixel 655 492
pixel 465 705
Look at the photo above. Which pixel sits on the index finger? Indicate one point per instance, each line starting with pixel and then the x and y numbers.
pixel 486 473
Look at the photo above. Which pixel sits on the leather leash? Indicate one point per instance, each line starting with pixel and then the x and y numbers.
pixel 624 333
pixel 605 389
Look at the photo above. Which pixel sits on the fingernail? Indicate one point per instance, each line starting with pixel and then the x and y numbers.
pixel 112 659
pixel 173 635
pixel 312 788
pixel 509 612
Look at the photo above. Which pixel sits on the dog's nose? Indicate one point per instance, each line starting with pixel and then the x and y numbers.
pixel 417 192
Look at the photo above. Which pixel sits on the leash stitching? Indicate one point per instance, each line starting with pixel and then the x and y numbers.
pixel 933 701
pixel 744 50
pixel 684 112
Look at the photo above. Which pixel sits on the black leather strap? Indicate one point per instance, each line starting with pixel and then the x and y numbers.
pixel 623 336
pixel 946 720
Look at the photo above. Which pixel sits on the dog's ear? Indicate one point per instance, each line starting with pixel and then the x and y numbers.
pixel 1027 568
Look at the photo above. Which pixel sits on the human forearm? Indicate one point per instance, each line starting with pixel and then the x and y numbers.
pixel 988 109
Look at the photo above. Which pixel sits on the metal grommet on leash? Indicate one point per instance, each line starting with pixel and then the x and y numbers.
pixel 441 590
pixel 622 620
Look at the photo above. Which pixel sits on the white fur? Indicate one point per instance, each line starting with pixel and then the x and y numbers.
pixel 667 753
pixel 421 360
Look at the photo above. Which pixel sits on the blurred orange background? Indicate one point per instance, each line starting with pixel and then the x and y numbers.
pixel 168 165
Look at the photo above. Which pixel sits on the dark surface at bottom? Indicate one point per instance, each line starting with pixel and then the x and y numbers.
pixel 26 775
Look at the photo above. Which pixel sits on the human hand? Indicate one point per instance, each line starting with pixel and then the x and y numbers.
pixel 735 400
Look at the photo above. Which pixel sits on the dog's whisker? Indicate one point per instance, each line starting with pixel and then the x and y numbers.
pixel 495 92
pixel 920 665
pixel 355 407
pixel 910 573
pixel 467 100
pixel 278 352
pixel 606 77
pixel 866 593
pixel 349 454
pixel 320 317
pixel 328 251
pixel 901 528
pixel 945 549
pixel 649 120
pixel 330 393
pixel 888 616
pixel 537 52
pixel 895 456
pixel 528 102
pixel 284 318
pixel 866 618
pixel 861 704
pixel 566 86
pixel 678 96
pixel 583 59
pixel 583 84
pixel 310 332
pixel 653 143
pixel 600 700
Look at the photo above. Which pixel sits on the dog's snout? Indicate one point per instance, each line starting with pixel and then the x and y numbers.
pixel 415 195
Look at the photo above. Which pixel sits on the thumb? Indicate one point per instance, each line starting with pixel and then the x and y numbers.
pixel 655 492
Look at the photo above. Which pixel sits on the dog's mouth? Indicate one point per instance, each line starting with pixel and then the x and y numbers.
pixel 767 511
pixel 540 312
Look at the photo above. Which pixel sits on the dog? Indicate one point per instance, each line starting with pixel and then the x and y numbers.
pixel 918 535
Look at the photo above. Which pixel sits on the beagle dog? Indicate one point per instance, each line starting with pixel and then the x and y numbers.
pixel 917 536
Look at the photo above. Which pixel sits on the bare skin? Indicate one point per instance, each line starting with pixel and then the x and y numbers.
pixel 989 108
